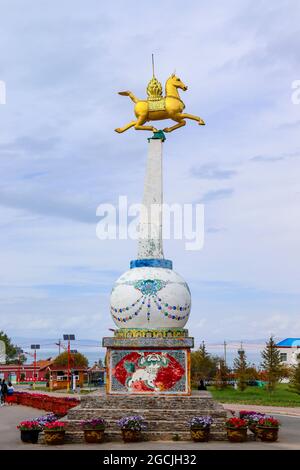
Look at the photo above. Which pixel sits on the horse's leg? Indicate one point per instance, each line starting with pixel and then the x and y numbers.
pixel 181 123
pixel 194 118
pixel 125 128
pixel 140 127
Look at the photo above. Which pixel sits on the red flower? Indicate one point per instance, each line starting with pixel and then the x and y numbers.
pixel 29 426
pixel 55 426
pixel 269 422
pixel 236 423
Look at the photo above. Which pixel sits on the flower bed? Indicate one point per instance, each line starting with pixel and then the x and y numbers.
pixel 41 401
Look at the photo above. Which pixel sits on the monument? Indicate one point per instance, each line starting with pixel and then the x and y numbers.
pixel 148 356
pixel 151 303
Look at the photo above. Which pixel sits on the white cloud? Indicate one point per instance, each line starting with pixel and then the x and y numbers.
pixel 59 158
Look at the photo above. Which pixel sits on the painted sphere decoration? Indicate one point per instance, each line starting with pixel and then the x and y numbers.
pixel 150 297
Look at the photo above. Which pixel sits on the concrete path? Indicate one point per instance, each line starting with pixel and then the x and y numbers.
pixel 10 416
pixel 280 410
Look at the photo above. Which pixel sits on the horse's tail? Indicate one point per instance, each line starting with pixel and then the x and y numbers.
pixel 131 95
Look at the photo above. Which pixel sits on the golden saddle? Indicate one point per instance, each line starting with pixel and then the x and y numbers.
pixel 156 101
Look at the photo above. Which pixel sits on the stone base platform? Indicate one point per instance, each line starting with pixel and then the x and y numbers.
pixel 166 416
pixel 150 363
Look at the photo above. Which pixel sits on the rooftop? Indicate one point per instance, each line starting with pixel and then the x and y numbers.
pixel 289 342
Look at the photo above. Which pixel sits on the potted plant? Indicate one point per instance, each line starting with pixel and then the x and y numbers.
pixel 44 419
pixel 200 428
pixel 93 430
pixel 54 433
pixel 29 431
pixel 267 429
pixel 253 418
pixel 245 413
pixel 132 427
pixel 236 429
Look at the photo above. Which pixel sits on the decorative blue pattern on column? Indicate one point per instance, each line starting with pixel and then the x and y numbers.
pixel 151 262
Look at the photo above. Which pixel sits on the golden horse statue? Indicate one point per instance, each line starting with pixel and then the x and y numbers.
pixel 158 107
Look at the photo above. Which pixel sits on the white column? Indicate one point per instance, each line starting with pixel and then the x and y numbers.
pixel 150 239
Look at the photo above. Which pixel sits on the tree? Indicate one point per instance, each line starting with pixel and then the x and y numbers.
pixel 241 367
pixel 222 375
pixel 11 350
pixel 271 364
pixel 252 373
pixel 203 365
pixel 76 360
pixel 295 379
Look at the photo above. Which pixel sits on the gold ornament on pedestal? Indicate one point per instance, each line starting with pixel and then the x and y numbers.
pixel 158 107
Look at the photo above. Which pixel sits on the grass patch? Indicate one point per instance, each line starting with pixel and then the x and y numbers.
pixel 281 396
pixel 40 389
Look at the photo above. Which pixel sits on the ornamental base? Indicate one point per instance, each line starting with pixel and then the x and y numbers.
pixel 166 416
pixel 151 363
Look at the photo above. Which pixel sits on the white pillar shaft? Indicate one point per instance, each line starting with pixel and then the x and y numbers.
pixel 150 239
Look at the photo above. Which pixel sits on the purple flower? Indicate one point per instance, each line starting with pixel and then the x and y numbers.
pixel 254 417
pixel 203 422
pixel 135 423
pixel 95 423
pixel 48 418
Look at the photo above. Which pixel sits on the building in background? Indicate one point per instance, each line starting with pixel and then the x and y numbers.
pixel 16 373
pixel 96 375
pixel 58 376
pixel 289 349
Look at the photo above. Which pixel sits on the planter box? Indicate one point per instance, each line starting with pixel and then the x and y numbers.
pixel 200 434
pixel 30 436
pixel 53 438
pixel 94 436
pixel 237 434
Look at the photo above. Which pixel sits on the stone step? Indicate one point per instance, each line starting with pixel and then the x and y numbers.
pixel 152 425
pixel 139 401
pixel 147 436
pixel 157 414
pixel 166 416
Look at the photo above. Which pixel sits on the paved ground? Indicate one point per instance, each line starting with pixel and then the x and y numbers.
pixel 10 416
pixel 279 410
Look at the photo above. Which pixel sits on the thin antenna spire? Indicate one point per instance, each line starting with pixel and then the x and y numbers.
pixel 153 65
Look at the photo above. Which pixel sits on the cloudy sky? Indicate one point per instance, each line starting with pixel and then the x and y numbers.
pixel 63 62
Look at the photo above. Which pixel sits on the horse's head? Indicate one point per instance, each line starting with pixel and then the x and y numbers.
pixel 175 81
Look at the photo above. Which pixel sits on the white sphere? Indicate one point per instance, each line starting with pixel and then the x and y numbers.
pixel 150 297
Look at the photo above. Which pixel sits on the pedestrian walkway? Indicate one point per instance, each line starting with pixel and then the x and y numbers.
pixel 10 416
pixel 279 410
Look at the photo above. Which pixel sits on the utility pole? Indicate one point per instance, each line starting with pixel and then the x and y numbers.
pixel 20 352
pixel 68 386
pixel 69 338
pixel 225 353
pixel 34 347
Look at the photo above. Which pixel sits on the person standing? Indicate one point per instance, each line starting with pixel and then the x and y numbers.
pixel 1 396
pixel 10 392
pixel 4 391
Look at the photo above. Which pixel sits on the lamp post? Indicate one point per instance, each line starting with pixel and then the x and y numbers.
pixel 19 352
pixel 34 347
pixel 69 338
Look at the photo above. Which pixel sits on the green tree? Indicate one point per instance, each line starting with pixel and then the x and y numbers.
pixel 76 360
pixel 11 350
pixel 203 365
pixel 271 364
pixel 295 379
pixel 241 369
pixel 222 375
